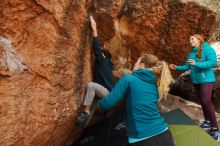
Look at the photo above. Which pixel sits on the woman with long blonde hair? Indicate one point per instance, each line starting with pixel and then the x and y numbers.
pixel 201 61
pixel 141 91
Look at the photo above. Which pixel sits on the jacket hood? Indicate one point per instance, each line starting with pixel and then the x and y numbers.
pixel 145 75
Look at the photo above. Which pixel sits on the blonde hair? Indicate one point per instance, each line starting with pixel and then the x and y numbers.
pixel 161 69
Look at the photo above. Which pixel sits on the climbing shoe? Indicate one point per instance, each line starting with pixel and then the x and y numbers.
pixel 82 118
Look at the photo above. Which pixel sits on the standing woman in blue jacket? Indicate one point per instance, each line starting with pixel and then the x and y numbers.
pixel 141 91
pixel 201 61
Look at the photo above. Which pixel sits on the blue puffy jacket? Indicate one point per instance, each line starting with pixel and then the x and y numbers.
pixel 202 71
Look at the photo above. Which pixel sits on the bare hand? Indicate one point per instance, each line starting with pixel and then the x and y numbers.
pixel 191 61
pixel 172 66
pixel 93 24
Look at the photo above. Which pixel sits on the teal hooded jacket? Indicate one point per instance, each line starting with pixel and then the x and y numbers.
pixel 140 92
pixel 202 71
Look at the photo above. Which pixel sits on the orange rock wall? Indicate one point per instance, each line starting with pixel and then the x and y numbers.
pixel 53 40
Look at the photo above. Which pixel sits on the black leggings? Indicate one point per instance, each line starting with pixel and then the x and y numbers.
pixel 162 139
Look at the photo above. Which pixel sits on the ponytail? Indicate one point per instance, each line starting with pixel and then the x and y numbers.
pixel 164 78
pixel 161 69
pixel 199 53
pixel 201 38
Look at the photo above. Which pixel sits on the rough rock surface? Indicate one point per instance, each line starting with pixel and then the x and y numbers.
pixel 52 46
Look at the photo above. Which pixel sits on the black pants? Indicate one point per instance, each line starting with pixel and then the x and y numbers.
pixel 163 139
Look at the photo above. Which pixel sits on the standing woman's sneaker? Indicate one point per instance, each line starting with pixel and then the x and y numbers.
pixel 215 133
pixel 206 126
